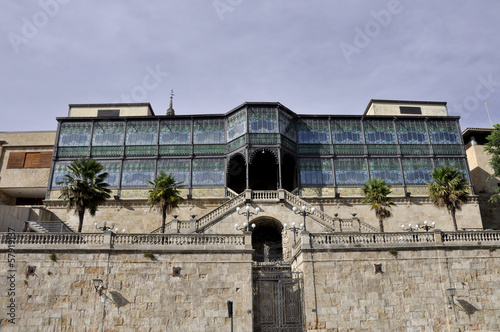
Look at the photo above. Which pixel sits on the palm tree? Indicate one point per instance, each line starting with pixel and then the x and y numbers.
pixel 84 187
pixel 376 192
pixel 449 189
pixel 165 195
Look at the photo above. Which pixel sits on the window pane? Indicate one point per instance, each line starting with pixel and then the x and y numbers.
pixel 379 132
pixel 287 126
pixel 316 172
pixel 386 169
pixel 75 134
pixel 175 132
pixel 350 171
pixel 236 125
pixel 108 133
pixel 137 173
pixel 209 132
pixel 444 132
pixel 411 132
pixel 208 172
pixel 417 171
pixel 262 120
pixel 142 133
pixel 179 168
pixel 313 131
pixel 60 170
pixel 347 131
pixel 113 169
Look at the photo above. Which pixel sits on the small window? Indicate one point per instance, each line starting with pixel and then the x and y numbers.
pixel 29 160
pixel 108 113
pixel 410 110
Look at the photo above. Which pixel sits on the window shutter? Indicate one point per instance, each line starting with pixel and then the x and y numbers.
pixel 16 160
pixel 45 159
pixel 32 160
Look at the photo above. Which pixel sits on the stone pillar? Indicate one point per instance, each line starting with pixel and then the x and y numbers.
pixel 248 195
pixel 281 194
pixel 438 236
pixel 192 224
pixel 305 240
pixel 108 237
pixel 248 240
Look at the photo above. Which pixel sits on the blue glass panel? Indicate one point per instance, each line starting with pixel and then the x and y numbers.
pixel 75 134
pixel 60 170
pixel 210 131
pixel 142 133
pixel 262 120
pixel 208 172
pixel 412 132
pixel 417 171
pixel 137 173
pixel 386 169
pixel 175 132
pixel 236 125
pixel 108 133
pixel 113 170
pixel 313 131
pixel 347 131
pixel 379 132
pixel 179 168
pixel 316 172
pixel 459 163
pixel 350 172
pixel 287 126
pixel 444 132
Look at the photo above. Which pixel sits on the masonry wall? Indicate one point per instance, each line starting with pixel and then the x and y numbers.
pixel 344 293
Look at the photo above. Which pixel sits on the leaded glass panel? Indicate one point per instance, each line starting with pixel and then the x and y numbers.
pixel 444 132
pixel 459 163
pixel 75 134
pixel 108 133
pixel 263 138
pixel 415 149
pixel 113 170
pixel 386 169
pixel 179 168
pixel 313 131
pixel 412 132
pixel 262 120
pixel 417 171
pixel 137 173
pixel 349 149
pixel 350 172
pixel 379 132
pixel 142 133
pixel 208 172
pixel 209 149
pixel 209 131
pixel 347 131
pixel 239 142
pixel 236 125
pixel 287 126
pixel 175 132
pixel 166 150
pixel 60 170
pixel 316 172
pixel 314 149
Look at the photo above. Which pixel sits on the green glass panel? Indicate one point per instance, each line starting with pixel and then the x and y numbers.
pixel 108 133
pixel 415 149
pixel 347 131
pixel 379 132
pixel 75 134
pixel 444 132
pixel 80 151
pixel 263 138
pixel 350 172
pixel 349 149
pixel 313 131
pixel 315 172
pixel 386 169
pixel 417 171
pixel 106 151
pixel 175 149
pixel 459 163
pixel 209 149
pixel 140 150
pixel 60 170
pixel 209 131
pixel 262 120
pixel 113 170
pixel 236 125
pixel 138 173
pixel 178 168
pixel 208 172
pixel 175 132
pixel 412 132
pixel 314 149
pixel 142 133
pixel 289 144
pixel 382 149
pixel 447 149
pixel 287 126
pixel 239 142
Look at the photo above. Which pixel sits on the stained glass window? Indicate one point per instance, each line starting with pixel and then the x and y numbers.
pixel 287 126
pixel 412 132
pixel 417 171
pixel 113 170
pixel 137 173
pixel 175 132
pixel 60 170
pixel 350 172
pixel 379 132
pixel 386 169
pixel 347 131
pixel 208 172
pixel 210 131
pixel 444 132
pixel 262 120
pixel 459 163
pixel 316 172
pixel 75 134
pixel 313 131
pixel 179 168
pixel 142 133
pixel 236 125
pixel 108 133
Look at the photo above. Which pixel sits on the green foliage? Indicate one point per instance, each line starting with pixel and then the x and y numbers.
pixel 376 193
pixel 449 189
pixel 393 252
pixel 150 255
pixel 492 147
pixel 53 257
pixel 84 187
pixel 165 195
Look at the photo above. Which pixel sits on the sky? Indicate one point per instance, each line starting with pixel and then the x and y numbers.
pixel 314 57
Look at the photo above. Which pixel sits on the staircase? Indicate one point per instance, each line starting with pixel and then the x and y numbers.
pixel 49 227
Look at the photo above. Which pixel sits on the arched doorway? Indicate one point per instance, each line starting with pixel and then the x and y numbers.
pixel 236 173
pixel 288 172
pixel 263 171
pixel 267 240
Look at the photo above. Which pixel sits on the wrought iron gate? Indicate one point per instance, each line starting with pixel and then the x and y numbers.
pixel 277 299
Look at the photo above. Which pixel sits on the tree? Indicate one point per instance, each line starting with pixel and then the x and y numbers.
pixel 376 192
pixel 84 188
pixel 449 189
pixel 165 195
pixel 492 147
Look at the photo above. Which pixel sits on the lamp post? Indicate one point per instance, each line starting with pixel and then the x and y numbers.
pixel 451 294
pixel 304 213
pixel 428 227
pixel 411 228
pixel 98 285
pixel 104 226
pixel 294 229
pixel 247 213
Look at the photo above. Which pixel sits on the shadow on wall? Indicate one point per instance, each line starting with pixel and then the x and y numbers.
pixel 13 217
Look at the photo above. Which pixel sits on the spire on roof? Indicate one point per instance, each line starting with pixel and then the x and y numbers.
pixel 170 110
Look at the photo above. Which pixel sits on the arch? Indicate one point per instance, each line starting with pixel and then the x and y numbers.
pixel 263 170
pixel 267 233
pixel 256 152
pixel 236 173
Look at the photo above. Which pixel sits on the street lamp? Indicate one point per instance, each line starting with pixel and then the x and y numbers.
pixel 104 227
pixel 303 213
pixel 428 227
pixel 98 285
pixel 247 213
pixel 411 228
pixel 294 229
pixel 451 293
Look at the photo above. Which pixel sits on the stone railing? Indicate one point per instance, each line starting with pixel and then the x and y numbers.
pixel 109 240
pixel 265 195
pixel 404 239
pixel 231 193
pixel 214 216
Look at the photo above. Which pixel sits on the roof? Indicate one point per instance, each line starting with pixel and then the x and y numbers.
pixel 402 102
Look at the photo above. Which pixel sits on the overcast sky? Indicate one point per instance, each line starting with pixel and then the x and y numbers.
pixel 314 57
